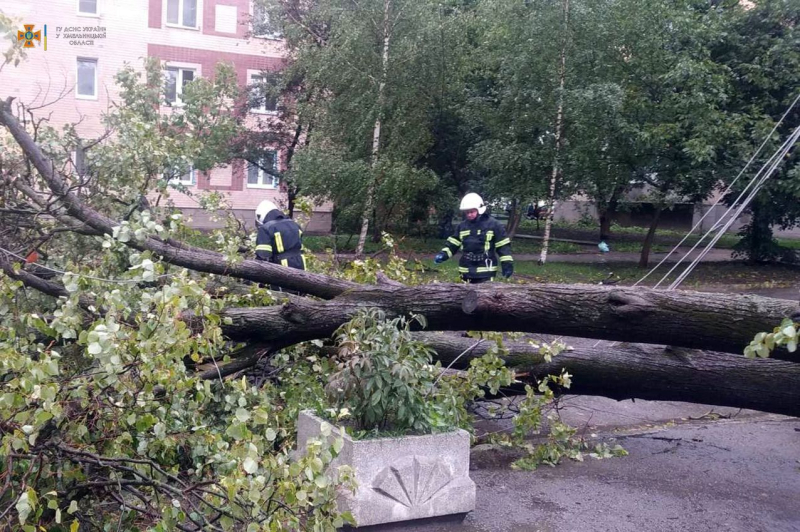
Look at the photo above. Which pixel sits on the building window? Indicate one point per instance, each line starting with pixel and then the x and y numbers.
pixel 87 7
pixel 176 80
pixel 258 177
pixel 87 78
pixel 262 27
pixel 182 13
pixel 186 178
pixel 262 99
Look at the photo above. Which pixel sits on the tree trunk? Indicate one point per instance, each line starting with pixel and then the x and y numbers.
pixel 724 322
pixel 605 225
pixel 292 190
pixel 514 218
pixel 644 259
pixel 646 372
pixel 291 198
pixel 606 215
pixel 376 130
pixel 559 132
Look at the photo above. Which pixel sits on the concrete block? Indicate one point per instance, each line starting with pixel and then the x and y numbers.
pixel 399 479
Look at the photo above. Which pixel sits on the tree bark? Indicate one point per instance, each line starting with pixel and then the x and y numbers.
pixel 559 132
pixel 647 372
pixel 644 258
pixel 724 322
pixel 514 218
pixel 376 130
pixel 605 226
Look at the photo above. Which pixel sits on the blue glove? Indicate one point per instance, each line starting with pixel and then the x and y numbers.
pixel 508 268
pixel 440 257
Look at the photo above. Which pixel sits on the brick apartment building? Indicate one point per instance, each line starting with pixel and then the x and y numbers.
pixel 74 77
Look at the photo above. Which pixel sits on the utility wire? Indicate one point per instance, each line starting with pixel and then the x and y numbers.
pixel 757 178
pixel 722 196
pixel 787 146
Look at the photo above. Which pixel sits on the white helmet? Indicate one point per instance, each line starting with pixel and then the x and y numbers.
pixel 473 201
pixel 263 209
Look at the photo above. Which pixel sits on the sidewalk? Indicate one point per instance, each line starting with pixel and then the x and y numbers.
pixel 690 467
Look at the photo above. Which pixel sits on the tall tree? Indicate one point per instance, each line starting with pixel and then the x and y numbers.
pixel 761 51
pixel 673 97
pixel 375 66
pixel 514 98
pixel 559 134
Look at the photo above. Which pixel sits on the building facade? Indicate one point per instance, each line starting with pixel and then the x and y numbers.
pixel 89 41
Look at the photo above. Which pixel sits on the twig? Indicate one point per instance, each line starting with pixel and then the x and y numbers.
pixel 476 344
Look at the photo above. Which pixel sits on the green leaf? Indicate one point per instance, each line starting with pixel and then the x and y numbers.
pixel 338 444
pixel 250 465
pixel 242 415
pixel 237 431
pixel 24 507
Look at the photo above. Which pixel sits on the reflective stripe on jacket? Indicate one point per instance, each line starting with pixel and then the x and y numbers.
pixel 483 245
pixel 279 241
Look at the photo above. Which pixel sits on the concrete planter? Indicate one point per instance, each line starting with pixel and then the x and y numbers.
pixel 399 479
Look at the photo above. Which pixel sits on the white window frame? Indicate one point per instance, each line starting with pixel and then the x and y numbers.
pixel 251 74
pixel 87 13
pixel 181 67
pixel 179 24
pixel 78 95
pixel 270 36
pixel 274 184
pixel 192 181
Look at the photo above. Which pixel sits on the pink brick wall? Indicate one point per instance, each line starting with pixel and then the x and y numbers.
pixel 208 59
pixel 134 30
pixel 154 13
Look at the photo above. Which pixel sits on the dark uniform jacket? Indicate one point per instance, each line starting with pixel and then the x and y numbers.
pixel 484 246
pixel 279 241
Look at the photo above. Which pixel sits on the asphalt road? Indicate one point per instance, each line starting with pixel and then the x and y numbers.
pixel 688 470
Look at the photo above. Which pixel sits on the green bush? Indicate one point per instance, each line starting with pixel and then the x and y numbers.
pixel 384 377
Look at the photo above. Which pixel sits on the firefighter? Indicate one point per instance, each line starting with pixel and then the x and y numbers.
pixel 483 242
pixel 279 238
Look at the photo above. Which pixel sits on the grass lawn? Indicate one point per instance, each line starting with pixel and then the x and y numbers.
pixel 420 252
pixel 730 274
pixel 428 246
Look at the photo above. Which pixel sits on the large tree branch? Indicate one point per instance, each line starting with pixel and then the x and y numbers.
pixel 188 257
pixel 660 373
pixel 724 322
pixel 37 283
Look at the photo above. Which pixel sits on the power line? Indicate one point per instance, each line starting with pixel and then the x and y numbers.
pixel 787 146
pixel 757 178
pixel 720 198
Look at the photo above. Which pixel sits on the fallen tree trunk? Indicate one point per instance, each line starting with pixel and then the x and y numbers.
pixel 648 372
pixel 724 322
